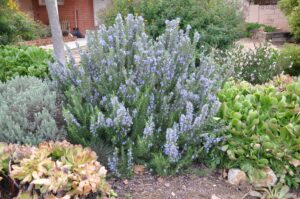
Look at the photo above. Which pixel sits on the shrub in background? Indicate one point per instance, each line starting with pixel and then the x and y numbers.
pixel 218 22
pixel 52 170
pixel 11 4
pixel 250 27
pixel 27 112
pixel 269 28
pixel 291 8
pixel 17 26
pixel 150 100
pixel 256 66
pixel 23 60
pixel 264 127
pixel 290 59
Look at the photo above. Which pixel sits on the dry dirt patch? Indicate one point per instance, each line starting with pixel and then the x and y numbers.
pixel 190 186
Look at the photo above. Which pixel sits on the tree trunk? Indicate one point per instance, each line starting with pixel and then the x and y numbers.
pixel 57 37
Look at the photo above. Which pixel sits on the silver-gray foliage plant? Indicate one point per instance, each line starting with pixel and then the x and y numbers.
pixel 124 69
pixel 27 112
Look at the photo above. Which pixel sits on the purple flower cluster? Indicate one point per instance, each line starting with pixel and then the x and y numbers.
pixel 100 122
pixel 113 162
pixel 171 148
pixel 151 105
pixel 129 159
pixel 210 141
pixel 200 120
pixel 186 121
pixel 149 129
pixel 70 119
pixel 120 113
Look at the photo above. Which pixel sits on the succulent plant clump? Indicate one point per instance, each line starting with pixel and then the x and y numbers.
pixel 53 170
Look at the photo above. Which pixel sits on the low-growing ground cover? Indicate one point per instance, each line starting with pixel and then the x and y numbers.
pixel 23 60
pixel 29 112
pixel 264 128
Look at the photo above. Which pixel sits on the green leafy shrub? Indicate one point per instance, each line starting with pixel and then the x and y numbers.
pixel 264 127
pixel 250 27
pixel 146 98
pixel 53 169
pixel 290 59
pixel 291 8
pixel 23 60
pixel 269 28
pixel 17 26
pixel 218 22
pixel 256 66
pixel 27 112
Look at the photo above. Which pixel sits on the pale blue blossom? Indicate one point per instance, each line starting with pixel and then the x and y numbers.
pixel 129 159
pixel 113 162
pixel 171 148
pixel 186 121
pixel 149 128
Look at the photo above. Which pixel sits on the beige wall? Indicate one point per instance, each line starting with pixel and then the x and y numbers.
pixel 265 14
pixel 99 7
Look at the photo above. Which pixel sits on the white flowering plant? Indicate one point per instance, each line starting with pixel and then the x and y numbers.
pixel 146 98
pixel 257 66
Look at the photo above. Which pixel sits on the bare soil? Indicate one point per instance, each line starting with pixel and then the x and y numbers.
pixel 190 186
pixel 45 41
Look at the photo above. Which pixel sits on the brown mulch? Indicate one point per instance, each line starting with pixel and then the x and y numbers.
pixel 8 190
pixel 45 41
pixel 190 186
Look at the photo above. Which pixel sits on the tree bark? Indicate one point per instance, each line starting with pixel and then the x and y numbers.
pixel 57 37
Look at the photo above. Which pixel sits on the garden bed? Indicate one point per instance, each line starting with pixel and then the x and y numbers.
pixel 201 183
pixel 45 41
pixel 146 108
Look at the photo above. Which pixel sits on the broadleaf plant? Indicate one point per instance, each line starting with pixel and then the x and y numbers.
pixel 264 127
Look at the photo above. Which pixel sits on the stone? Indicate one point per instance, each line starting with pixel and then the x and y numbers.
pixel 139 169
pixel 160 180
pixel 237 177
pixel 125 182
pixel 269 178
pixel 215 197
